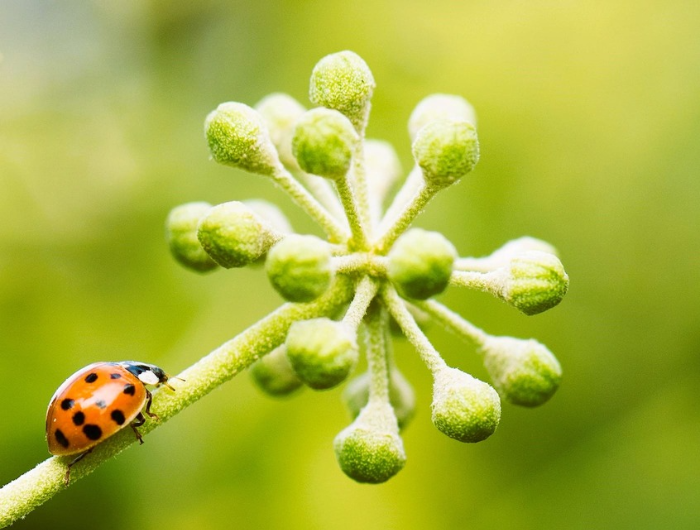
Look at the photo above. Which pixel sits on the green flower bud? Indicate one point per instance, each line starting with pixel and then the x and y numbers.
pixel 274 374
pixel 420 263
pixel 238 137
pixel 401 396
pixel 299 267
pixel 323 143
pixel 343 81
pixel 524 372
pixel 533 282
pixel 440 107
pixel 370 450
pixel 464 408
pixel 446 150
pixel 234 236
pixel 322 352
pixel 181 234
pixel 280 113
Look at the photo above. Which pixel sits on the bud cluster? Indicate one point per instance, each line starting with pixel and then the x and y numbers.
pixel 341 179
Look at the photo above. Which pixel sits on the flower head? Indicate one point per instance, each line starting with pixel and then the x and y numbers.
pixel 322 159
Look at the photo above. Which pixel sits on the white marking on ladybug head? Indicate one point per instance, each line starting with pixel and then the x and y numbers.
pixel 148 378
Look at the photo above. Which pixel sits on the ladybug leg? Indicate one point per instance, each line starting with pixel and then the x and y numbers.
pixel 66 479
pixel 149 400
pixel 138 421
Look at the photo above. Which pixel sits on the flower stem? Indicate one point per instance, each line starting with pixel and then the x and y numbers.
pixel 352 211
pixel 397 309
pixel 453 322
pixel 377 322
pixel 37 486
pixel 405 218
pixel 323 192
pixel 335 231
pixel 364 294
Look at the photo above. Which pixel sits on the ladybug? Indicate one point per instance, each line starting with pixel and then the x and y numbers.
pixel 98 401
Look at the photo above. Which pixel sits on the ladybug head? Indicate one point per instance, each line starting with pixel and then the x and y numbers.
pixel 148 374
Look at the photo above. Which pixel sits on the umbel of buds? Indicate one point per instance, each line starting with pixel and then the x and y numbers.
pixel 372 271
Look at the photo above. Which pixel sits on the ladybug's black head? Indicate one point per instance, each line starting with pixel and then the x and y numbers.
pixel 148 374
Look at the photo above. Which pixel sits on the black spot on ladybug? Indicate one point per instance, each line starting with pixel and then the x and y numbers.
pixel 79 418
pixel 115 376
pixel 92 431
pixel 129 389
pixel 66 404
pixel 61 438
pixel 91 378
pixel 101 404
pixel 118 417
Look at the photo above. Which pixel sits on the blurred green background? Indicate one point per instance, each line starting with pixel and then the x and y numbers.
pixel 590 125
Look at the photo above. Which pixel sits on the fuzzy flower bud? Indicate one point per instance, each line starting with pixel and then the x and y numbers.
pixel 280 112
pixel 343 81
pixel 401 396
pixel 464 408
pixel 370 449
pixel 420 263
pixel 322 352
pixel 446 150
pixel 524 372
pixel 440 107
pixel 181 233
pixel 238 137
pixel 299 267
pixel 323 143
pixel 532 282
pixel 274 375
pixel 234 236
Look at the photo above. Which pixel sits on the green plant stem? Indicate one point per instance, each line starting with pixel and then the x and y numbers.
pixel 486 282
pixel 415 206
pixel 37 486
pixel 352 211
pixel 453 322
pixel 360 186
pixel 377 353
pixel 335 231
pixel 397 309
pixel 364 294
pixel 323 192
pixel 361 263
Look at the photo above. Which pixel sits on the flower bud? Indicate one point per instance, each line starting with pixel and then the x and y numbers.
pixel 299 267
pixel 233 235
pixel 446 150
pixel 323 143
pixel 238 137
pixel 524 372
pixel 420 263
pixel 440 107
pixel 343 81
pixel 401 396
pixel 370 449
pixel 533 282
pixel 322 352
pixel 274 375
pixel 464 408
pixel 280 113
pixel 181 234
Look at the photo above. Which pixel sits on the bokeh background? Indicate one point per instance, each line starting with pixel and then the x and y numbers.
pixel 590 126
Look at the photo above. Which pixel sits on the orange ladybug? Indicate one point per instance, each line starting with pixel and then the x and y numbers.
pixel 98 401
